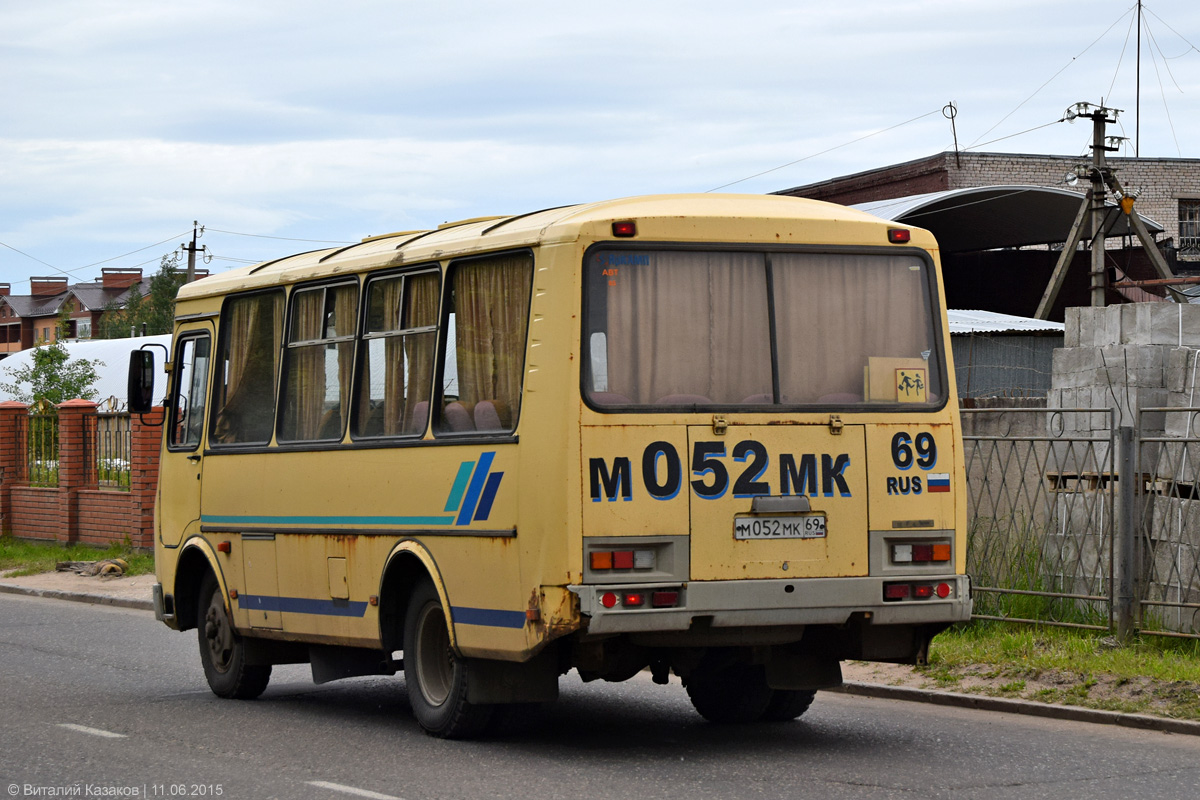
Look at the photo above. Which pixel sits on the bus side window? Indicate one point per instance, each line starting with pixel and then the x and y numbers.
pixel 489 307
pixel 244 397
pixel 319 363
pixel 398 353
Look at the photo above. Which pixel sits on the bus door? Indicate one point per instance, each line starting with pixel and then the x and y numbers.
pixel 778 501
pixel 182 463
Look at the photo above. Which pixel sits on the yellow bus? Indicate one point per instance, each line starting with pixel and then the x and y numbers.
pixel 708 435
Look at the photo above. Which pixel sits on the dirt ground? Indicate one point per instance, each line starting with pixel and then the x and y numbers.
pixel 1177 699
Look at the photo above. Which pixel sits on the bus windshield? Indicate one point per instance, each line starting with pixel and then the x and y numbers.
pixel 693 328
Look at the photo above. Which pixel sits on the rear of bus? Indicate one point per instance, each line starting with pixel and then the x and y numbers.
pixel 770 454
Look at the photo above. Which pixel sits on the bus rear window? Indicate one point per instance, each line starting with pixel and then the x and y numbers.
pixel 694 328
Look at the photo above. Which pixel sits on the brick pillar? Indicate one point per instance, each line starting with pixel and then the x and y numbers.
pixel 76 462
pixel 146 434
pixel 14 427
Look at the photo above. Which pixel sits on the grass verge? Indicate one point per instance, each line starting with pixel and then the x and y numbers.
pixel 24 557
pixel 1148 675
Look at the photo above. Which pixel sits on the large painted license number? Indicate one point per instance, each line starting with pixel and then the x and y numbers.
pixel 792 526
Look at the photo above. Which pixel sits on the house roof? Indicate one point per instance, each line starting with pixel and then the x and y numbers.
pixel 992 217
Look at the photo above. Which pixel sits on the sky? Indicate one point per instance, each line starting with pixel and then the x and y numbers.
pixel 286 126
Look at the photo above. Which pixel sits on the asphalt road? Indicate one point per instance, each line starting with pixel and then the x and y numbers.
pixel 98 701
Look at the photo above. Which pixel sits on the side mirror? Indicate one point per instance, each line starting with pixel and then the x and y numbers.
pixel 140 391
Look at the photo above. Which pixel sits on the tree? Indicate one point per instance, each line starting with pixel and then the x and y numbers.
pixel 54 376
pixel 155 310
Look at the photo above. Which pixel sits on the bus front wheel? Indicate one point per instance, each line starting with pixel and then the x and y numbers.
pixel 436 677
pixel 222 650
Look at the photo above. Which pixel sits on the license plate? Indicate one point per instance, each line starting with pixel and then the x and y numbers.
pixel 792 526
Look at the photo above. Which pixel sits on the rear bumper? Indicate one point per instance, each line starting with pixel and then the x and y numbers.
pixel 767 603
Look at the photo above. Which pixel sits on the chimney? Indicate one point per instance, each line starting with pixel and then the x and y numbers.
pixel 47 287
pixel 5 289
pixel 119 277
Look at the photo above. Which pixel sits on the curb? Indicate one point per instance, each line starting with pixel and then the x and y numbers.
pixel 78 597
pixel 1029 708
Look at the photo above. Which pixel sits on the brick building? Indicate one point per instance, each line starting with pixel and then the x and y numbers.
pixel 26 320
pixel 1169 187
pixel 1008 275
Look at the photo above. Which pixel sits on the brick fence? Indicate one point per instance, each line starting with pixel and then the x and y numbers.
pixel 78 509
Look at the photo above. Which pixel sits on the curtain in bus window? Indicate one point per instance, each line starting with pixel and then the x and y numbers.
pixel 491 307
pixel 252 333
pixel 320 357
pixel 687 327
pixel 399 350
pixel 835 312
pixel 420 349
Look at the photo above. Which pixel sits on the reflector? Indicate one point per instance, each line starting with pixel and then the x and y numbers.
pixel 608 599
pixel 943 590
pixel 664 599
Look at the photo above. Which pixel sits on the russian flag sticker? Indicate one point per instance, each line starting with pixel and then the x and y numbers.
pixel 938 481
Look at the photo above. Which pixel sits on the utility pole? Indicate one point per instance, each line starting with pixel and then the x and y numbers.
pixel 1100 148
pixel 1102 181
pixel 192 250
pixel 1091 207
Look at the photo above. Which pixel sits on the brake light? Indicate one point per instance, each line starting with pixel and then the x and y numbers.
pixel 920 553
pixel 622 559
pixel 633 599
pixel 922 591
pixel 899 235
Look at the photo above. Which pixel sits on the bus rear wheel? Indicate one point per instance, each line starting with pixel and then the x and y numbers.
pixel 222 650
pixel 437 677
pixel 730 694
pixel 788 704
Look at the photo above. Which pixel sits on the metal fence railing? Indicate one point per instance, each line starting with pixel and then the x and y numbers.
pixel 1167 547
pixel 1040 510
pixel 42 459
pixel 114 447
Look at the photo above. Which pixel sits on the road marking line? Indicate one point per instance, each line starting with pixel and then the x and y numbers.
pixel 337 787
pixel 92 731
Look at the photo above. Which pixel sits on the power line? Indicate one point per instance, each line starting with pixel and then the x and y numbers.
pixel 823 152
pixel 1051 79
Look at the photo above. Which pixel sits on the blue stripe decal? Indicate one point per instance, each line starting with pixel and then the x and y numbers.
pixel 489 617
pixel 460 486
pixel 477 479
pixel 229 519
pixel 489 494
pixel 302 605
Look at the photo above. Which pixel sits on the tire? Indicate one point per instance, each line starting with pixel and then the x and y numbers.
pixel 435 676
pixel 222 650
pixel 731 694
pixel 788 704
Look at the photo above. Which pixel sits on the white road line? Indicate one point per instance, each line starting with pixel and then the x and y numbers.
pixel 92 731
pixel 337 787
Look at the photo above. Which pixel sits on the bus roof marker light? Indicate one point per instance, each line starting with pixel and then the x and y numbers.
pixel 625 230
pixel 899 235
